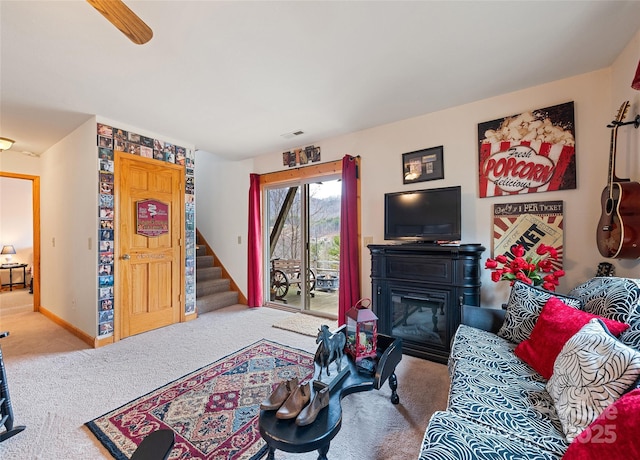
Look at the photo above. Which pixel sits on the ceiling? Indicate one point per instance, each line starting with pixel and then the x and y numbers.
pixel 232 77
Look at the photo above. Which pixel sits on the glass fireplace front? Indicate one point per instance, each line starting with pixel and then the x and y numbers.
pixel 420 317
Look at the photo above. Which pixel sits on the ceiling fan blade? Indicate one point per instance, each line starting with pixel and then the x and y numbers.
pixel 119 14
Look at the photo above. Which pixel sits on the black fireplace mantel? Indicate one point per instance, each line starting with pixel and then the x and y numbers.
pixel 418 290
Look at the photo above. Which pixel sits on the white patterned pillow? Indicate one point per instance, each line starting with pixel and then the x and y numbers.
pixel 614 298
pixel 591 372
pixel 524 307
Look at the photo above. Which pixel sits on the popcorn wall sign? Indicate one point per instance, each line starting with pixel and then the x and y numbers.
pixel 527 153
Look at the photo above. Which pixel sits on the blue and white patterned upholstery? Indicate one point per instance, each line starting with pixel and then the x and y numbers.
pixel 507 396
pixel 451 437
pixel 473 344
pixel 614 298
pixel 499 407
pixel 523 309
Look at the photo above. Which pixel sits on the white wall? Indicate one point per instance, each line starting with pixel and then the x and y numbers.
pixel 595 96
pixel 68 204
pixel 69 215
pixel 222 197
pixel 69 229
pixel 17 162
pixel 69 185
pixel 628 156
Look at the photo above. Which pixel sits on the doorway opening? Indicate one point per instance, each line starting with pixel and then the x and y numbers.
pixel 28 250
pixel 302 222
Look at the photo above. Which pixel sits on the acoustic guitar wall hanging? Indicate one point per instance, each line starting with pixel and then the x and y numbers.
pixel 618 232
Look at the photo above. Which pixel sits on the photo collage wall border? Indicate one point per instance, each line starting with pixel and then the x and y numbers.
pixel 109 139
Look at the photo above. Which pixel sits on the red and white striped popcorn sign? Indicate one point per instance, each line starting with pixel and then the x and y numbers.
pixel 528 153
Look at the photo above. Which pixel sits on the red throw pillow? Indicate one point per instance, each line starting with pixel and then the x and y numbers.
pixel 613 435
pixel 556 324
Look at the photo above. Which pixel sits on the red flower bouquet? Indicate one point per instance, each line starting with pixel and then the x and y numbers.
pixel 535 271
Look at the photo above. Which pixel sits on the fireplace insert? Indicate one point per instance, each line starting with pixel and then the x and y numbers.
pixel 418 291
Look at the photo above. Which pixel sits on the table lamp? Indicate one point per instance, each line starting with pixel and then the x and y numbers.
pixel 7 251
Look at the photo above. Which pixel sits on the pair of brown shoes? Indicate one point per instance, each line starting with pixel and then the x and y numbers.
pixel 290 399
pixel 309 413
pixel 295 403
pixel 280 394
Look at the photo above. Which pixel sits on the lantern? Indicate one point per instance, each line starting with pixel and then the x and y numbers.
pixel 362 331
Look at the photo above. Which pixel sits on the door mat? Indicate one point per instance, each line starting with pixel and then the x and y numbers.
pixel 213 411
pixel 305 324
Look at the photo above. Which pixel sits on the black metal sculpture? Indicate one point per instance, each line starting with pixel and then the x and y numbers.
pixel 331 349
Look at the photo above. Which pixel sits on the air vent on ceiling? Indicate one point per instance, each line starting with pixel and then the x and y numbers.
pixel 292 134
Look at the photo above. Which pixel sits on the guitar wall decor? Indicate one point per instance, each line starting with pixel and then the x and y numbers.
pixel 618 232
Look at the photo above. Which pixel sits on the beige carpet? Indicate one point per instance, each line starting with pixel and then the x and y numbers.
pixel 305 324
pixel 57 384
pixel 16 301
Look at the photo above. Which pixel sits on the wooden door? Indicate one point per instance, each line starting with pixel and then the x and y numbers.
pixel 149 274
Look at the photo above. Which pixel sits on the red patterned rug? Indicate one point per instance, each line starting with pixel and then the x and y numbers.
pixel 213 411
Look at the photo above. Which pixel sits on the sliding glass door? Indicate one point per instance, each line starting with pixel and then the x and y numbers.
pixel 303 245
pixel 287 261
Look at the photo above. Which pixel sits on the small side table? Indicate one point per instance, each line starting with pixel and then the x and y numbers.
pixel 11 267
pixel 287 436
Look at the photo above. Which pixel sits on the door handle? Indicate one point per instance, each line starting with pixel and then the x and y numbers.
pixel 126 257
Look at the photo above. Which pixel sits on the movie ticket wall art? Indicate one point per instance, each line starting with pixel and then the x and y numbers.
pixel 528 153
pixel 529 224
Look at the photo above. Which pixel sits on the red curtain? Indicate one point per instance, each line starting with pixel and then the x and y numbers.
pixel 636 80
pixel 349 290
pixel 254 245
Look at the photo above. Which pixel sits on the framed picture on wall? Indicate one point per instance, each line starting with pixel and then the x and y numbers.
pixel 529 224
pixel 530 152
pixel 423 165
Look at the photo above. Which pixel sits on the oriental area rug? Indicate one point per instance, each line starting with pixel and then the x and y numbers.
pixel 213 411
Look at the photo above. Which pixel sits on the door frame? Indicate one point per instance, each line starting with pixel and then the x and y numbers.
pixel 302 190
pixel 305 174
pixel 117 306
pixel 35 208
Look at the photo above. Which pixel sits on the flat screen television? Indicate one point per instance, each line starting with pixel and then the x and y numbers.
pixel 431 215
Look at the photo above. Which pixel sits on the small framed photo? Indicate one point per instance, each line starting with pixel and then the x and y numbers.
pixel 423 165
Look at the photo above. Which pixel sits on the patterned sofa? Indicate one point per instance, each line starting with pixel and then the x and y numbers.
pixel 501 407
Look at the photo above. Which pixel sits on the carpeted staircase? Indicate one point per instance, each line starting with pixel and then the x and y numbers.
pixel 212 291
